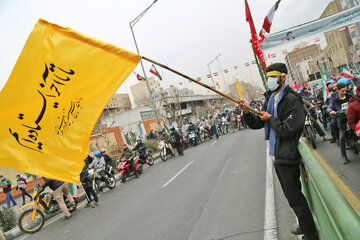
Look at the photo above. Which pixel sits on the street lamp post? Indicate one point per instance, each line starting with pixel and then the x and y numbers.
pixel 132 24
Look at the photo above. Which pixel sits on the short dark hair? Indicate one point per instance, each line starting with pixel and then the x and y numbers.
pixel 340 85
pixel 281 67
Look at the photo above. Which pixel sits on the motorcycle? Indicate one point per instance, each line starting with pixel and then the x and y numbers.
pixel 32 220
pixel 193 138
pixel 99 182
pixel 124 168
pixel 351 139
pixel 309 130
pixel 148 158
pixel 164 150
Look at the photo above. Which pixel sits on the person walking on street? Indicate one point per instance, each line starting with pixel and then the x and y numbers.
pixel 176 141
pixel 21 184
pixel 6 186
pixel 283 118
pixel 212 123
pixel 88 186
pixel 59 189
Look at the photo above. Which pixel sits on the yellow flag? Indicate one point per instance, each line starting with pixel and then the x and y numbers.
pixel 57 90
pixel 239 89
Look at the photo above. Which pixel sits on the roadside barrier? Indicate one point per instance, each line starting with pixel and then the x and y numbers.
pixel 334 217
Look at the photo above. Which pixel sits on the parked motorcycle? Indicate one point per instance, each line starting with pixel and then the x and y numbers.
pixel 164 150
pixel 124 168
pixel 32 220
pixel 99 182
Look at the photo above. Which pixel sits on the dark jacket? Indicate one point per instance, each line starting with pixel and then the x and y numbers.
pixel 353 112
pixel 141 147
pixel 127 154
pixel 84 178
pixel 108 159
pixel 176 136
pixel 288 126
pixel 52 184
pixel 191 128
pixel 8 187
pixel 336 106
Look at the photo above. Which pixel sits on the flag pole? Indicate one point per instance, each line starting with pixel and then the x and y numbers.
pixel 200 83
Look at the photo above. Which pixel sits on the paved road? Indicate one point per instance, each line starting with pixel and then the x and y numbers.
pixel 348 173
pixel 215 191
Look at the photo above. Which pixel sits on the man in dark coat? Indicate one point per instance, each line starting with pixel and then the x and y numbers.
pixel 283 117
pixel 88 185
pixel 175 135
pixel 353 111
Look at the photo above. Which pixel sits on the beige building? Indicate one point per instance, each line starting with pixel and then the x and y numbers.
pixel 140 91
pixel 120 102
pixel 338 43
pixel 304 53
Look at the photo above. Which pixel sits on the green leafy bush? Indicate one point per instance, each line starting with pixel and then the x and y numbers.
pixel 8 220
pixel 152 145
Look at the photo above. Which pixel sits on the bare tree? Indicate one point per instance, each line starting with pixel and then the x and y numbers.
pixel 172 105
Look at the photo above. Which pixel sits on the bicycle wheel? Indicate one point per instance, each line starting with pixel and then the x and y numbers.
pixel 311 135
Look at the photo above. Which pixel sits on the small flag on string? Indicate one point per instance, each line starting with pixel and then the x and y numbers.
pixel 199 79
pixel 317 39
pixel 171 85
pixel 217 83
pixel 212 87
pixel 253 62
pixel 235 67
pixel 296 47
pixel 226 71
pixel 247 64
pixel 273 55
pixel 180 83
pixel 154 71
pixel 140 78
pixel 209 75
pixel 216 74
pixel 352 26
pixel 342 29
pixel 284 51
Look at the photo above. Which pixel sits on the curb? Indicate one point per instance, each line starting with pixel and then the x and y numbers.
pixel 16 232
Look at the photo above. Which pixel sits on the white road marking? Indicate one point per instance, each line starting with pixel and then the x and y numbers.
pixel 270 225
pixel 168 182
pixel 213 142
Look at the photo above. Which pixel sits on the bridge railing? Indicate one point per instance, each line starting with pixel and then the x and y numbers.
pixel 334 217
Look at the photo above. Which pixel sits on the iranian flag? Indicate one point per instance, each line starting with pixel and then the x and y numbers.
pixel 165 125
pixel 209 75
pixel 352 26
pixel 317 39
pixel 199 79
pixel 268 21
pixel 226 71
pixel 342 29
pixel 253 62
pixel 171 85
pixel 96 134
pixel 296 47
pixel 140 78
pixel 216 74
pixel 155 72
pixel 247 64
pixel 24 176
pixel 346 73
pixel 73 190
pixel 273 55
pixel 284 51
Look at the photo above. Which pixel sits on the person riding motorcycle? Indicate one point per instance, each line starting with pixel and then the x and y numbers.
pixel 59 188
pixel 337 104
pixel 129 156
pixel 108 161
pixel 167 140
pixel 353 111
pixel 99 165
pixel 140 147
pixel 191 128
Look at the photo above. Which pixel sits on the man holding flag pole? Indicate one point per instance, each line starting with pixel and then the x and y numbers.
pixel 283 118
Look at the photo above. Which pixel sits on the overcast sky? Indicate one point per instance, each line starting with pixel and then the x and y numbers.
pixel 182 34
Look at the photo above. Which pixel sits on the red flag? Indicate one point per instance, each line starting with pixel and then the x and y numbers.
pixel 255 41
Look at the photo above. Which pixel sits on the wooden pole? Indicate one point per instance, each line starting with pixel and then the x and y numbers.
pixel 200 83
